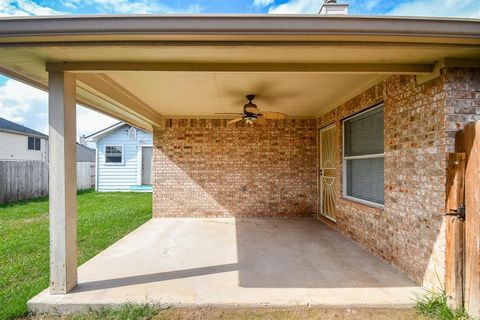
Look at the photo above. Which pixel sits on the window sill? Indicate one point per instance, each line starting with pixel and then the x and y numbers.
pixel 364 202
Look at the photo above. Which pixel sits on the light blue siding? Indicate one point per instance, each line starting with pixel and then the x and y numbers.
pixel 124 176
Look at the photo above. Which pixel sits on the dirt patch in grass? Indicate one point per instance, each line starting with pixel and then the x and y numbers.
pixel 299 313
pixel 231 313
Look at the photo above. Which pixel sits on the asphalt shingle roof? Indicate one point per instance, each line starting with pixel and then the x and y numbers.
pixel 13 127
pixel 85 154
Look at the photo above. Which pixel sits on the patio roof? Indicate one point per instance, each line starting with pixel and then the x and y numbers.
pixel 144 68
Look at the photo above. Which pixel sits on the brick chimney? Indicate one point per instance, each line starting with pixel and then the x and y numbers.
pixel 332 7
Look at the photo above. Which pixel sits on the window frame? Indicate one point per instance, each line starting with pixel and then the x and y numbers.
pixel 114 163
pixel 35 139
pixel 368 156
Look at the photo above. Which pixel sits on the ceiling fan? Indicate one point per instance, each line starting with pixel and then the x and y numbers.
pixel 252 115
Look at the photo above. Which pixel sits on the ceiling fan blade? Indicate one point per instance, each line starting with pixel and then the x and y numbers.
pixel 261 121
pixel 240 114
pixel 271 115
pixel 234 121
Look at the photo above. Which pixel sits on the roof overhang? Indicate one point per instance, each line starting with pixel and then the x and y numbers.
pixel 104 132
pixel 237 27
pixel 143 68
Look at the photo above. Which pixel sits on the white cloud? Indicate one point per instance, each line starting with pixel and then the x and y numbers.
pixel 32 8
pixel 369 5
pixel 24 8
pixel 24 104
pixel 439 8
pixel 89 121
pixel 130 7
pixel 125 6
pixel 263 3
pixel 297 6
pixel 28 106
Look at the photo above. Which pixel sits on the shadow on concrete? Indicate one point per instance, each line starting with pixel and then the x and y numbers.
pixel 153 277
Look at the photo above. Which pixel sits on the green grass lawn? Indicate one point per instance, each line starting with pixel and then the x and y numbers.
pixel 103 218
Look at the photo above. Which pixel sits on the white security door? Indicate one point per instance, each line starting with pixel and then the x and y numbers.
pixel 327 172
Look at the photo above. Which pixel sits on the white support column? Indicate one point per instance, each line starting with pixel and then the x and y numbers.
pixel 62 182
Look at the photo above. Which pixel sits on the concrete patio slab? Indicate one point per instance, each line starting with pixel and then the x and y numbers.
pixel 248 261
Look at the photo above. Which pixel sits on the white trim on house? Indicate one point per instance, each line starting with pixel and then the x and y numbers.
pixel 100 134
pixel 114 163
pixel 96 168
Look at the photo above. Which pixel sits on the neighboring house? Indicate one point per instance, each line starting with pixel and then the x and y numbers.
pixel 85 154
pixel 124 158
pixel 24 163
pixel 21 143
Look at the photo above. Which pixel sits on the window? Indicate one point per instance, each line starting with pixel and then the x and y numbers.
pixel 132 133
pixel 34 143
pixel 114 154
pixel 363 157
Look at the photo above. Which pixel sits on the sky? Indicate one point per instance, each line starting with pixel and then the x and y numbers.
pixel 28 106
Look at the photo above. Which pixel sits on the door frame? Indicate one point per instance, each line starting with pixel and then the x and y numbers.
pixel 140 161
pixel 319 178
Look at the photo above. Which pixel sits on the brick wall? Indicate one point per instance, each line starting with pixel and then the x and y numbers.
pixel 202 167
pixel 420 124
pixel 462 100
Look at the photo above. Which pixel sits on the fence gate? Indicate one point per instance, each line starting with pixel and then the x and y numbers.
pixel 462 280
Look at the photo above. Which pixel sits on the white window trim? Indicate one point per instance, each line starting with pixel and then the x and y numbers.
pixel 114 163
pixel 345 159
pixel 34 150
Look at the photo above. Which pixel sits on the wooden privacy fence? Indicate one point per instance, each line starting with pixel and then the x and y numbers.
pixel 85 175
pixel 20 180
pixel 462 281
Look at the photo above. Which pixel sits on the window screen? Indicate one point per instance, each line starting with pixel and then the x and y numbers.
pixel 364 133
pixel 33 143
pixel 363 156
pixel 113 154
pixel 365 179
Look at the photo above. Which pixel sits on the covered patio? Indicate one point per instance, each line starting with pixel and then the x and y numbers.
pixel 240 211
pixel 235 262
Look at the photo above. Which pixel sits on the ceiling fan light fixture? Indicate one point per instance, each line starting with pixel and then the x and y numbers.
pixel 250 119
pixel 252 115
